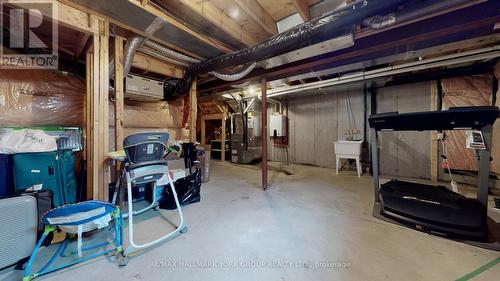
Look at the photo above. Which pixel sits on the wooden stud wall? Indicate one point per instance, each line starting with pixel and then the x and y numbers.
pixel 193 112
pixel 119 93
pixel 88 123
pixel 98 132
pixel 434 135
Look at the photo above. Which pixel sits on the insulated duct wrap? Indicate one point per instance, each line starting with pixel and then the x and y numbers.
pixel 322 28
pixel 413 11
pixel 325 27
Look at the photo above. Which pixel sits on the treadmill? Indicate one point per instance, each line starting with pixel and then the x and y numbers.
pixel 435 209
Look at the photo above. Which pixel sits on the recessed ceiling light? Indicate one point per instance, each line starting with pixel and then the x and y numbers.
pixel 233 11
pixel 251 89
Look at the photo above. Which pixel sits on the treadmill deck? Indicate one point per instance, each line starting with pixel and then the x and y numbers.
pixel 434 208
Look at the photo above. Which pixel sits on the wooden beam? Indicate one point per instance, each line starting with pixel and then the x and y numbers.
pixel 303 9
pixel 130 28
pixel 193 112
pixel 203 131
pixel 215 116
pixel 88 130
pixel 73 18
pixel 149 7
pixel 100 110
pixel 80 43
pixel 211 13
pixel 151 64
pixel 119 94
pixel 434 135
pixel 66 15
pixel 257 13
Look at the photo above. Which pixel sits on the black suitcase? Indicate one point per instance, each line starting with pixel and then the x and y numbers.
pixel 44 202
pixel 6 175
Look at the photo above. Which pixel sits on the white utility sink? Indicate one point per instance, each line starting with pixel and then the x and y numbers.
pixel 345 149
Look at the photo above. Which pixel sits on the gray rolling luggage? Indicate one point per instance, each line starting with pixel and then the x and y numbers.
pixel 18 228
pixel 20 224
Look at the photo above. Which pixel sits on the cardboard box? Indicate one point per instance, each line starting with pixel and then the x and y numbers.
pixel 176 164
pixel 205 162
pixel 176 174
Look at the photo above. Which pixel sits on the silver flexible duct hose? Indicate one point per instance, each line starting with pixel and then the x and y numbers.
pixel 379 22
pixel 234 76
pixel 162 57
pixel 171 53
pixel 131 47
pixel 168 52
pixel 133 43
pixel 163 53
pixel 154 26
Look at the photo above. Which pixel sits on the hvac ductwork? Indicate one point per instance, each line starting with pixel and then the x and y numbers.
pixel 235 76
pixel 133 43
pixel 322 28
pixel 162 57
pixel 158 51
pixel 130 48
pixel 168 52
pixel 413 11
pixel 165 52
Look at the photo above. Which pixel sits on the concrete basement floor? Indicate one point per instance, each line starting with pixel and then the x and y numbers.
pixel 304 218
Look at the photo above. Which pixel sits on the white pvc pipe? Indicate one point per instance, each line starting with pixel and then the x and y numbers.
pixel 474 55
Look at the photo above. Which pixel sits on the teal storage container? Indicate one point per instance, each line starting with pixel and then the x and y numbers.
pixel 54 170
pixel 67 175
pixel 38 168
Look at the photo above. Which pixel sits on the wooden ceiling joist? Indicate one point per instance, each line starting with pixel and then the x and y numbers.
pixel 302 9
pixel 80 44
pixel 257 13
pixel 214 15
pixel 153 9
pixel 70 17
pixel 78 14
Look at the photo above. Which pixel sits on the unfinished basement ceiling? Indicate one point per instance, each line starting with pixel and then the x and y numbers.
pixel 279 9
pixel 135 17
pixel 474 21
